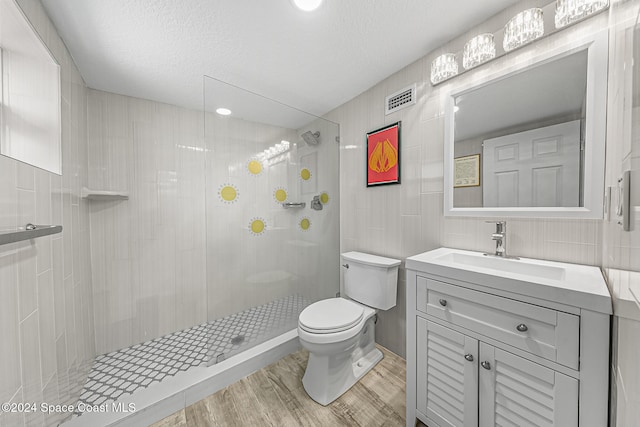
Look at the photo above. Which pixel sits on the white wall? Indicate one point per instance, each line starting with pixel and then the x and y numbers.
pixel 153 273
pixel 403 220
pixel 247 270
pixel 147 252
pixel 621 249
pixel 46 305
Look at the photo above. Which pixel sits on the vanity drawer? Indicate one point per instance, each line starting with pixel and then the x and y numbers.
pixel 548 333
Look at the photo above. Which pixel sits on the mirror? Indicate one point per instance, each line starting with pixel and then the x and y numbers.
pixel 30 93
pixel 531 141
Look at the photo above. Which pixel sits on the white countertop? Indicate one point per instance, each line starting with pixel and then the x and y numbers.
pixel 578 285
pixel 625 292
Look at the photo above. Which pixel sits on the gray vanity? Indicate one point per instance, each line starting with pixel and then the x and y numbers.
pixel 495 341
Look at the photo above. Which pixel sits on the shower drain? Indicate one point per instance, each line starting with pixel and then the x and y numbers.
pixel 238 339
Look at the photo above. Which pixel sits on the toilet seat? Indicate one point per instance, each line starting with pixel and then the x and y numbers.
pixel 330 316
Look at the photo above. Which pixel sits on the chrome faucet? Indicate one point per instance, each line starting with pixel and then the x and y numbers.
pixel 500 236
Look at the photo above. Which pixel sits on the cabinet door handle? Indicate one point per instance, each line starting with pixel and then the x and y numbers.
pixel 443 302
pixel 469 357
pixel 522 327
pixel 486 365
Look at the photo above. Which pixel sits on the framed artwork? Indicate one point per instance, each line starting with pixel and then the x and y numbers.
pixel 383 156
pixel 466 171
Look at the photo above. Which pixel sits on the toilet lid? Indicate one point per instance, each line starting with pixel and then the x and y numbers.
pixel 330 315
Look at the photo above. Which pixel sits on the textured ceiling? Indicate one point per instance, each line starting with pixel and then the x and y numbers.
pixel 160 49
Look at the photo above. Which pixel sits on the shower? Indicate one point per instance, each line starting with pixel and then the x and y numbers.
pixel 311 138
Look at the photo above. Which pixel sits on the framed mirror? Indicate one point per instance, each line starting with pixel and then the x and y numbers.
pixel 30 119
pixel 531 142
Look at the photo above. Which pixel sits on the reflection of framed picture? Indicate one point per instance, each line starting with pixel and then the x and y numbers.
pixel 383 155
pixel 466 171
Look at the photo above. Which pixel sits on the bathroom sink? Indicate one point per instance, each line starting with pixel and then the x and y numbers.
pixel 573 284
pixel 524 267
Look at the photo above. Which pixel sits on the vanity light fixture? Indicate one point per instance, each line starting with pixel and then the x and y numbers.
pixel 307 5
pixel 523 28
pixel 570 11
pixel 443 67
pixel 479 49
pixel 223 111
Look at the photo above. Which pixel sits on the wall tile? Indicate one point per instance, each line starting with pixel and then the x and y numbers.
pixel 36 301
pixel 46 317
pixel 9 321
pixel 577 241
pixel 30 366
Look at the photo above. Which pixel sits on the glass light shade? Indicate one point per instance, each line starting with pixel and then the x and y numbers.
pixel 479 49
pixel 307 5
pixel 443 67
pixel 523 28
pixel 570 11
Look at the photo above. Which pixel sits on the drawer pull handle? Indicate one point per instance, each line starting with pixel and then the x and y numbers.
pixel 522 327
pixel 486 365
pixel 469 357
pixel 443 302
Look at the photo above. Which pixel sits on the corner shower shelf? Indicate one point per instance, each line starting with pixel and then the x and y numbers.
pixel 89 194
pixel 29 232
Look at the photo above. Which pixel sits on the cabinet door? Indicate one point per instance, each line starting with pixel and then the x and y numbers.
pixel 517 392
pixel 447 375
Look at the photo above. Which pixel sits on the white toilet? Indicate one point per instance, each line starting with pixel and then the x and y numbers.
pixel 339 332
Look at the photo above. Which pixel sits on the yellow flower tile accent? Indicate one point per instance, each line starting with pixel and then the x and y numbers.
pixel 280 195
pixel 305 174
pixel 254 167
pixel 305 224
pixel 228 193
pixel 324 198
pixel 257 226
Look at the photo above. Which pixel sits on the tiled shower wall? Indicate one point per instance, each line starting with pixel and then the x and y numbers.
pixel 46 304
pixel 148 252
pixel 403 220
pixel 285 259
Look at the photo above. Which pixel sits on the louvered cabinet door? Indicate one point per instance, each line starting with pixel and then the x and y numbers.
pixel 447 376
pixel 515 392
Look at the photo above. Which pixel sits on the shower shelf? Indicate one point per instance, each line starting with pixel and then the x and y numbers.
pixel 29 232
pixel 90 194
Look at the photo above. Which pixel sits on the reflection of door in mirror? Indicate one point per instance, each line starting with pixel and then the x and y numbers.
pixel 527 128
pixel 539 167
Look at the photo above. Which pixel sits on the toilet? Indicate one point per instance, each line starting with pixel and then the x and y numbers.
pixel 339 332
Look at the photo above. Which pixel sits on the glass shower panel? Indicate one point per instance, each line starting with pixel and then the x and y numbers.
pixel 272 208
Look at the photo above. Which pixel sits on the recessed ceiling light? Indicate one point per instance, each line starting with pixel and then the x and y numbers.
pixel 307 5
pixel 223 111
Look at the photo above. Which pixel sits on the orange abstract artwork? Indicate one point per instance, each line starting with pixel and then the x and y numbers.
pixel 383 156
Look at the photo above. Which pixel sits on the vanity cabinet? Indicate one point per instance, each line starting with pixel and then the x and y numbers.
pixel 481 354
pixel 465 382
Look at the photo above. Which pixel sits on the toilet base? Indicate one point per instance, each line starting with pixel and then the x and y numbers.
pixel 327 377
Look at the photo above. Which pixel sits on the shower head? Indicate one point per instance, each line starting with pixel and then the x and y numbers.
pixel 311 138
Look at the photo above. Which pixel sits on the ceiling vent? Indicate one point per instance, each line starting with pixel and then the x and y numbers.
pixel 401 99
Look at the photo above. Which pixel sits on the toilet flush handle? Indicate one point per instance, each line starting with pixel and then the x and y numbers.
pixel 345 265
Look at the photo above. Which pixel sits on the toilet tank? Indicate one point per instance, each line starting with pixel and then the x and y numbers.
pixel 371 279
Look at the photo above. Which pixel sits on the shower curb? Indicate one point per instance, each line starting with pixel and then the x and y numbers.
pixel 160 400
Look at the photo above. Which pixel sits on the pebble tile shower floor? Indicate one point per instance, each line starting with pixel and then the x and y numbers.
pixel 127 370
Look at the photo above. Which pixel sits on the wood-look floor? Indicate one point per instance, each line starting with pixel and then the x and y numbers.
pixel 274 396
